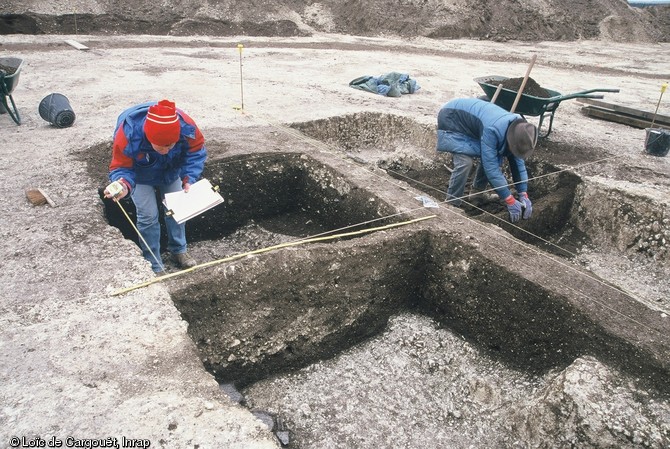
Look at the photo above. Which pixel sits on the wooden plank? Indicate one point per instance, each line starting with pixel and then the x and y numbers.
pixel 76 44
pixel 623 118
pixel 637 113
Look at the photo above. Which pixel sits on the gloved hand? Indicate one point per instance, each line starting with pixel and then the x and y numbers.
pixel 527 205
pixel 514 208
pixel 117 190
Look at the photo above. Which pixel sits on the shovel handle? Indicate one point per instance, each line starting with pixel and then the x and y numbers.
pixel 495 95
pixel 523 84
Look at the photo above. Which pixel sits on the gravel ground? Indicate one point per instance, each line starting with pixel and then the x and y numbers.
pixel 420 384
pixel 75 359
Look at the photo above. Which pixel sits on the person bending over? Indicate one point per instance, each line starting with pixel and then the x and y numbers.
pixel 470 129
pixel 156 147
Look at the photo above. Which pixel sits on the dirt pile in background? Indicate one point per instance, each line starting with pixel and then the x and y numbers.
pixel 528 20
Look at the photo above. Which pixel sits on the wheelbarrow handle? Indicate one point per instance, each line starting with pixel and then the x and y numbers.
pixel 599 90
pixel 584 94
pixel 599 97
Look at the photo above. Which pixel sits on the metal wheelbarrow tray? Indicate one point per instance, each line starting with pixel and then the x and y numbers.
pixel 531 105
pixel 8 82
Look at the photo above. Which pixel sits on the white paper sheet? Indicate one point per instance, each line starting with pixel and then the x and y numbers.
pixel 200 197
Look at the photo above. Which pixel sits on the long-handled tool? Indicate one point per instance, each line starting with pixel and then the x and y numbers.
pixel 495 95
pixel 523 84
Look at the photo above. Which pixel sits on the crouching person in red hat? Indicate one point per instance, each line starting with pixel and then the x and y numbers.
pixel 156 146
pixel 470 129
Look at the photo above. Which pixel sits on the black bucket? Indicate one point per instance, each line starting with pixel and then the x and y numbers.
pixel 56 109
pixel 657 142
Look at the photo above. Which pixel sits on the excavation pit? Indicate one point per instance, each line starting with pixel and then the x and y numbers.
pixel 288 195
pixel 526 321
pixel 304 333
pixel 109 365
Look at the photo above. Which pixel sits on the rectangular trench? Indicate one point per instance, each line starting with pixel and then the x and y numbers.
pixel 282 310
pixel 266 315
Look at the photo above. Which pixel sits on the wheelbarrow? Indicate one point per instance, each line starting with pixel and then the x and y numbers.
pixel 529 104
pixel 10 68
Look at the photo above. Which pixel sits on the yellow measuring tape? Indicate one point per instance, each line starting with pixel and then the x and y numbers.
pixel 267 249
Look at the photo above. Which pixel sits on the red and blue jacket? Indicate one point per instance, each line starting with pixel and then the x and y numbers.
pixel 135 160
pixel 478 129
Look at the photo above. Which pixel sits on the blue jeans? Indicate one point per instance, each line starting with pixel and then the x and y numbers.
pixel 459 177
pixel 144 197
pixel 458 144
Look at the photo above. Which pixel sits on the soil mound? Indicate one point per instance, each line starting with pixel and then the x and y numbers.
pixel 475 19
pixel 531 88
pixel 7 69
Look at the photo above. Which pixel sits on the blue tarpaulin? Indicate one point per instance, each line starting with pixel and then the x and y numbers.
pixel 392 84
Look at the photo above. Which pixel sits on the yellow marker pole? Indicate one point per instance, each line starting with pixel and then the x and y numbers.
pixel 663 87
pixel 240 47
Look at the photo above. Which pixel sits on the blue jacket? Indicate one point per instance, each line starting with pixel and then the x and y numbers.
pixel 134 159
pixel 478 129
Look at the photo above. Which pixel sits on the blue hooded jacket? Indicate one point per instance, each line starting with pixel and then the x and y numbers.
pixel 478 129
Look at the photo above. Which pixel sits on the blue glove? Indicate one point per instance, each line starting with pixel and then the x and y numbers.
pixel 514 208
pixel 527 206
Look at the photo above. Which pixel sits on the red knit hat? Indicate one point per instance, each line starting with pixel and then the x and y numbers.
pixel 162 124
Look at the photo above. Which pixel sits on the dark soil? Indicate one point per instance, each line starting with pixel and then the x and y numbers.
pixel 7 69
pixel 531 88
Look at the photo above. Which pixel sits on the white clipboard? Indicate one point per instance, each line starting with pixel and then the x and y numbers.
pixel 183 206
